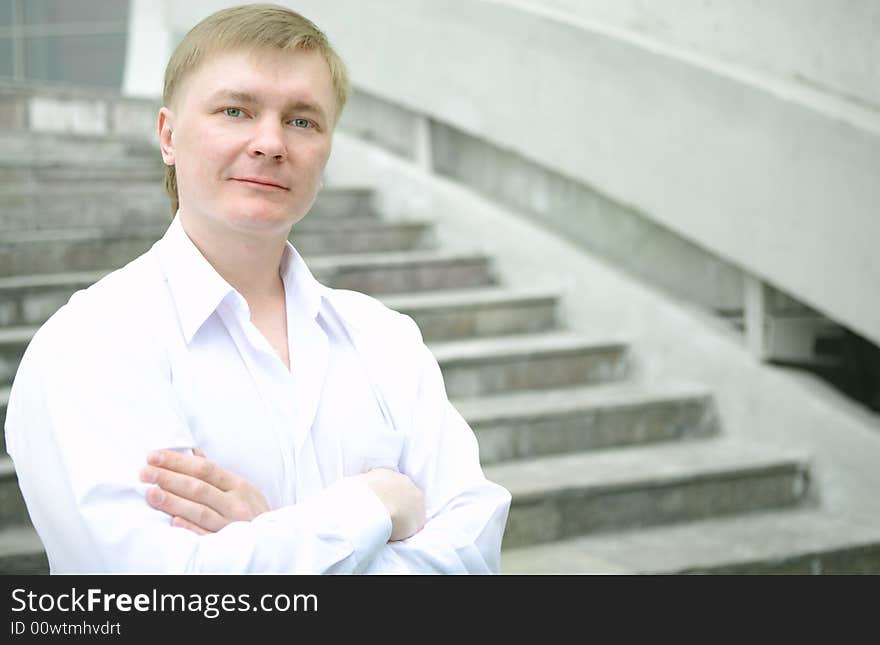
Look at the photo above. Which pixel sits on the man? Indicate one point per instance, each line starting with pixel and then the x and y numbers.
pixel 210 407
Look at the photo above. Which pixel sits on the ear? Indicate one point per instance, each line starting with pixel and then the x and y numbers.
pixel 166 118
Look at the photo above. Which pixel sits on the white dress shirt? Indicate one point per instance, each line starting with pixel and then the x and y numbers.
pixel 162 354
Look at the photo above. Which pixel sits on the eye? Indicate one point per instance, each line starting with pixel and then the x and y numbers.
pixel 302 123
pixel 233 112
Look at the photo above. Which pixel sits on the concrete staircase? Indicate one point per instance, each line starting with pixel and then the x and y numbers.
pixel 607 476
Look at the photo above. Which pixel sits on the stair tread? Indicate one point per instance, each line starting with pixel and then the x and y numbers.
pixel 114 165
pixel 19 540
pixel 317 262
pixel 517 344
pixel 154 233
pixel 626 466
pixel 558 401
pixel 638 465
pixel 84 137
pixel 391 258
pixel 352 225
pixel 475 296
pixel 83 234
pixel 15 335
pixel 382 258
pixel 66 278
pixel 439 298
pixel 778 536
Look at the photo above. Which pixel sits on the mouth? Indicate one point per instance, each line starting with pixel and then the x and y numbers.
pixel 260 182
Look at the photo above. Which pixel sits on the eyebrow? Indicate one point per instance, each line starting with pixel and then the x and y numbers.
pixel 246 97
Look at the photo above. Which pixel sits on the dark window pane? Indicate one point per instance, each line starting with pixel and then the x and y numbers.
pixel 42 12
pixel 81 60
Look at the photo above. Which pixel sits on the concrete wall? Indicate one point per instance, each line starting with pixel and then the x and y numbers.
pixel 603 226
pixel 832 45
pixel 149 46
pixel 771 177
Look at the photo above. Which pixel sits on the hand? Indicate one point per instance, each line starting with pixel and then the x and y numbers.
pixel 403 499
pixel 198 494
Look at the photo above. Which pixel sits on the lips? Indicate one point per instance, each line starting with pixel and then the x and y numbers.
pixel 262 181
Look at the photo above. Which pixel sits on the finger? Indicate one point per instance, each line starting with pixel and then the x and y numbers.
pixel 184 524
pixel 199 453
pixel 197 514
pixel 198 467
pixel 190 488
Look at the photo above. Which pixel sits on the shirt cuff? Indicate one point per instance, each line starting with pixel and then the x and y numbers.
pixel 366 521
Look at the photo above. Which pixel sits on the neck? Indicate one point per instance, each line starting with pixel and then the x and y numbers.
pixel 249 262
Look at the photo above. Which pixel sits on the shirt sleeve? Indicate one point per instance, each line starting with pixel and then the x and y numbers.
pixel 84 411
pixel 465 513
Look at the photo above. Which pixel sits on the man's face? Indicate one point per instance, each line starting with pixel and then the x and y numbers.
pixel 249 136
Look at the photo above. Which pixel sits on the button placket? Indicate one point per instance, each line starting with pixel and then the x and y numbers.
pixel 236 319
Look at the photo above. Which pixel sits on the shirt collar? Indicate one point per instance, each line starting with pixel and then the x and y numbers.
pixel 198 290
pixel 300 285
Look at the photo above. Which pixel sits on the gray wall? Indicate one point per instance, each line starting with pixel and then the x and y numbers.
pixel 831 44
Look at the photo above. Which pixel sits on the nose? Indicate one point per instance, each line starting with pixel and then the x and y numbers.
pixel 268 140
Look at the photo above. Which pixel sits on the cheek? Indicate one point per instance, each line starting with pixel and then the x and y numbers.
pixel 207 151
pixel 209 154
pixel 314 157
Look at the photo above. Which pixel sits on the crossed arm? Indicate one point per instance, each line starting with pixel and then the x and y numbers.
pixel 445 516
pixel 202 497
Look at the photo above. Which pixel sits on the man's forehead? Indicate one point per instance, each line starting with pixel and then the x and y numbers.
pixel 230 74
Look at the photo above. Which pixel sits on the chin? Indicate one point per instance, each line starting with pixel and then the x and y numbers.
pixel 260 216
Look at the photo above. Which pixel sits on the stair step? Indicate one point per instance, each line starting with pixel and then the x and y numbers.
pixel 111 206
pixel 31 299
pixel 40 147
pixel 443 315
pixel 13 342
pixel 53 172
pixel 21 552
pixel 327 237
pixel 12 508
pixel 59 251
pixel 475 367
pixel 400 272
pixel 565 496
pixel 118 206
pixel 53 251
pixel 343 201
pixel 782 542
pixel 103 219
pixel 529 424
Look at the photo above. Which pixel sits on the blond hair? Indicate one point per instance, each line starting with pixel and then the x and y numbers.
pixel 249 27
